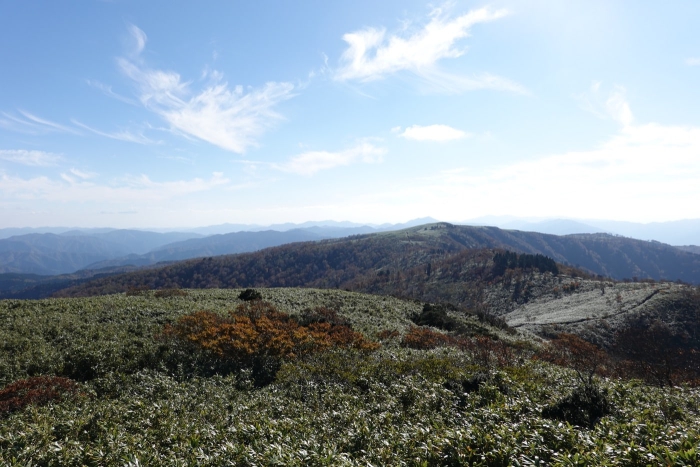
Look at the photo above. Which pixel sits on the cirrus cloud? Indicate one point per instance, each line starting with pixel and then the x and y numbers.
pixel 439 133
pixel 75 187
pixel 30 157
pixel 229 118
pixel 372 54
pixel 311 162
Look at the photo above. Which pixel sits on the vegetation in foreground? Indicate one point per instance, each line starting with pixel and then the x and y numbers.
pixel 134 385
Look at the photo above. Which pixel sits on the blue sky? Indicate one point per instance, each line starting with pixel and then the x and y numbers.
pixel 180 114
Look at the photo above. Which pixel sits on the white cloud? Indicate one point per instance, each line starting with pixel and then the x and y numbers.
pixel 75 187
pixel 692 61
pixel 107 91
pixel 439 81
pixel 82 174
pixel 373 54
pixel 308 163
pixel 138 38
pixel 439 133
pixel 615 106
pixel 618 108
pixel 226 117
pixel 645 172
pixel 32 124
pixel 121 135
pixel 30 157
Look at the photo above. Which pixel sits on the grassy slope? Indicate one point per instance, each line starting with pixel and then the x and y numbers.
pixel 393 407
pixel 88 337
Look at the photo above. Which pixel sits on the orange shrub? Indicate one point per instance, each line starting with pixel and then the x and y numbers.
pixel 425 339
pixel 573 352
pixel 386 335
pixel 257 329
pixel 488 352
pixel 37 390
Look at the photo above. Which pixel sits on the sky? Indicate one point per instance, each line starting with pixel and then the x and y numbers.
pixel 167 114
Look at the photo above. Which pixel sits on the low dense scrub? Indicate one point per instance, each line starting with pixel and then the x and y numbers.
pixel 37 390
pixel 157 398
pixel 397 407
pixel 257 336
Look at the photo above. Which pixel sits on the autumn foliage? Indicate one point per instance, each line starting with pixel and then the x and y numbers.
pixel 425 339
pixel 257 329
pixel 37 390
pixel 573 352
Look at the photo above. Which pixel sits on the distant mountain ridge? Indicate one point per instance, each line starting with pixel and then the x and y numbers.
pixel 64 251
pixel 345 263
pixel 681 232
pixel 51 254
pixel 214 245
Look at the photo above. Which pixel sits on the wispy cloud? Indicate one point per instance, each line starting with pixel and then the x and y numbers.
pixel 613 106
pixel 230 118
pixel 138 38
pixel 641 173
pixel 30 157
pixel 74 173
pixel 75 186
pixel 436 80
pixel 107 91
pixel 120 135
pixel 373 54
pixel 311 162
pixel 692 61
pixel 32 124
pixel 439 133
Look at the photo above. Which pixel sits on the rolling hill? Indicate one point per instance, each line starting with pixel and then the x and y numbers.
pixel 344 263
pixel 215 245
pixel 52 254
pixel 47 254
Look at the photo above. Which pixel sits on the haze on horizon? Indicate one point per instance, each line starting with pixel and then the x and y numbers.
pixel 174 114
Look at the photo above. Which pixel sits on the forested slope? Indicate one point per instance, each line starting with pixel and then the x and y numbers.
pixel 345 263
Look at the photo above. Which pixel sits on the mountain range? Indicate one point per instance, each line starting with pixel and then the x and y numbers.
pixel 52 259
pixel 358 262
pixel 680 232
pixel 67 251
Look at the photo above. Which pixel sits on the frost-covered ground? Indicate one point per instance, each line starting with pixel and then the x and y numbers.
pixel 590 307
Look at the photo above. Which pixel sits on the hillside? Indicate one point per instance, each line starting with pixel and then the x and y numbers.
pixel 48 254
pixel 359 262
pixel 52 254
pixel 215 245
pixel 431 264
pixel 109 381
pixel 690 248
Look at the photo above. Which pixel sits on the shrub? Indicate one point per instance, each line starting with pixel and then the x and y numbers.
pixel 250 294
pixel 388 335
pixel 256 335
pixel 585 406
pixel 571 351
pixel 488 352
pixel 166 293
pixel 322 314
pixel 426 339
pixel 436 316
pixel 37 390
pixel 137 291
pixel 657 353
